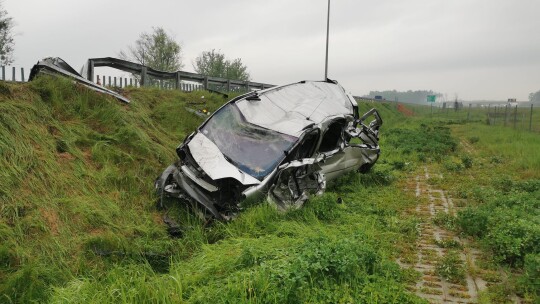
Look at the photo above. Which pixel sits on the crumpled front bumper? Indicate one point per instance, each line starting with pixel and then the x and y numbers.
pixel 175 183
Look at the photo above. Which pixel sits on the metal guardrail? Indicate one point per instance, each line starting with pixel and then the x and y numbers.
pixel 13 74
pixel 146 73
pixel 181 80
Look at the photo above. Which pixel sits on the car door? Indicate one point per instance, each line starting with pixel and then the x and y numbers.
pixel 356 149
pixel 299 176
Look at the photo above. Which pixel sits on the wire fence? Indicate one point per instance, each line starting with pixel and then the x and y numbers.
pixel 524 116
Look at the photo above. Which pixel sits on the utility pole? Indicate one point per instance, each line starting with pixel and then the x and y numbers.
pixel 327 40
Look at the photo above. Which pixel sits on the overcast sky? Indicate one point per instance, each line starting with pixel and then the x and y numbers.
pixel 477 49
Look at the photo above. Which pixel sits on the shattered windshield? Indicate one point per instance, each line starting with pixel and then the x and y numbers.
pixel 254 150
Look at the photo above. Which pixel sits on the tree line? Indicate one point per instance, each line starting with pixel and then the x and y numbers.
pixel 534 97
pixel 6 37
pixel 158 49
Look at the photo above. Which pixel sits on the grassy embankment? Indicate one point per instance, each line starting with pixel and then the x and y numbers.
pixel 78 221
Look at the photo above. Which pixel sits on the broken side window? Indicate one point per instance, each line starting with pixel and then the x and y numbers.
pixel 306 148
pixel 333 136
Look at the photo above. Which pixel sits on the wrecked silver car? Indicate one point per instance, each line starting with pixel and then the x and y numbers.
pixel 283 144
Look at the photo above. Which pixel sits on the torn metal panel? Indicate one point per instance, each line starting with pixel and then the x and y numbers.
pixel 284 144
pixel 296 181
pixel 57 66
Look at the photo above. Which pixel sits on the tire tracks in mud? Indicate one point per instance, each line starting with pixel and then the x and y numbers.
pixel 427 252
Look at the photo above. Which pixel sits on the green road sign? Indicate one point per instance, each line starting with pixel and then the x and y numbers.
pixel 431 98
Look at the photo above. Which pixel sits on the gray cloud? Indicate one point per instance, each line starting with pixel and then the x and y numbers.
pixel 477 48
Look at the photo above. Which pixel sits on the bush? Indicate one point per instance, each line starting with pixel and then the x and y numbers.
pixel 506 221
pixel 467 161
pixel 474 139
pixel 428 140
pixel 451 268
pixel 529 283
pixel 472 221
pixel 452 165
pixel 444 220
pixel 320 258
pixel 511 241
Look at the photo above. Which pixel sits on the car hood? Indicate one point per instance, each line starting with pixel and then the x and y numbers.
pixel 208 156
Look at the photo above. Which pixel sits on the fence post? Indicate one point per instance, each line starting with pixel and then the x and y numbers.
pixel 22 74
pixel 115 81
pixel 530 119
pixel 228 85
pixel 178 81
pixel 110 81
pixel 13 74
pixel 143 76
pixel 505 114
pixel 90 71
pixel 205 82
pixel 515 117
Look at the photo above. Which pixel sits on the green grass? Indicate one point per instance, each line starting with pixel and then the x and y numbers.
pixel 496 169
pixel 76 179
pixel 79 223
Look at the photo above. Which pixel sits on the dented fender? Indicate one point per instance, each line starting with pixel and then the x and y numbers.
pixel 295 181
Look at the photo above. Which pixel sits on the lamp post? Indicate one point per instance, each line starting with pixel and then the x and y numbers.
pixel 327 39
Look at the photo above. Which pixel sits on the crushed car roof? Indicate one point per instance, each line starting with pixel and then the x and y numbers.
pixel 291 108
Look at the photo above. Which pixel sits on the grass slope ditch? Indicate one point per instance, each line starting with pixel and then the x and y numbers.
pixel 79 224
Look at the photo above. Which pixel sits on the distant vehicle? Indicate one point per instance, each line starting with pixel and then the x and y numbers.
pixel 379 97
pixel 512 102
pixel 284 144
